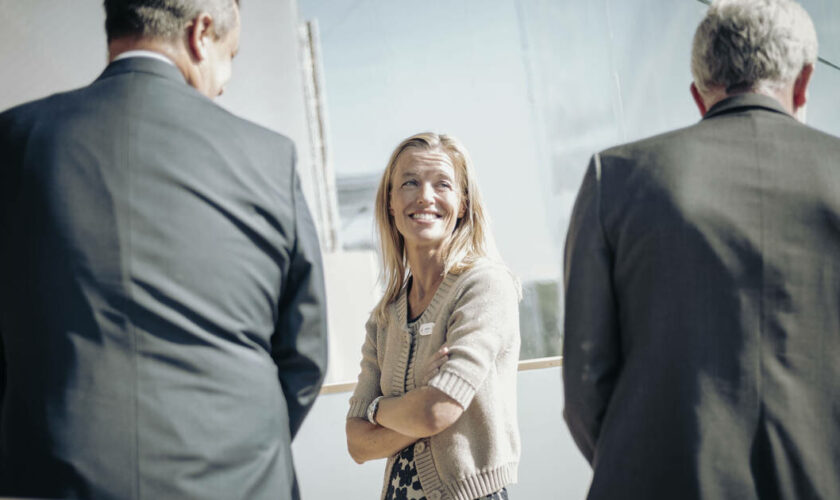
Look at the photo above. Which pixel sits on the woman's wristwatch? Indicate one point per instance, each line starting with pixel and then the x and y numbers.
pixel 371 410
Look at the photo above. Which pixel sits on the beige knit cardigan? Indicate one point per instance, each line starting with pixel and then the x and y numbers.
pixel 476 314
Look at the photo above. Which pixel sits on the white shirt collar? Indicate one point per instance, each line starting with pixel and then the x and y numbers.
pixel 144 53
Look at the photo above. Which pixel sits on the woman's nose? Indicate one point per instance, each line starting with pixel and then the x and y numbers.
pixel 427 193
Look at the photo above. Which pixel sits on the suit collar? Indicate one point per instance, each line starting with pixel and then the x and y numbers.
pixel 746 101
pixel 143 65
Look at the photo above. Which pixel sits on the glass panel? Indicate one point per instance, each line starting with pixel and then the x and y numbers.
pixel 826 16
pixel 455 67
pixel 824 100
pixel 532 88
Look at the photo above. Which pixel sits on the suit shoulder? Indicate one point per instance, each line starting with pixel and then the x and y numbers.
pixel 256 130
pixel 257 145
pixel 659 142
pixel 22 117
pixel 18 121
pixel 209 113
pixel 822 138
pixel 26 111
pixel 40 104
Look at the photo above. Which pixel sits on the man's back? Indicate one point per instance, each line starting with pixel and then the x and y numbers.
pixel 152 244
pixel 719 245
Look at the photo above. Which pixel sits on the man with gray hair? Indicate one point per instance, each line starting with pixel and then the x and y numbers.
pixel 702 280
pixel 161 291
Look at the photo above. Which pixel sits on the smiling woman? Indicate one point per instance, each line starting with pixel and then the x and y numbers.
pixel 446 162
pixel 426 203
pixel 436 394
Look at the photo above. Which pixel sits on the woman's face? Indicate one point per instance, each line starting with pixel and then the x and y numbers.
pixel 425 199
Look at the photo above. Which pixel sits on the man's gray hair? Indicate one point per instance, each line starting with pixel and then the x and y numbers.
pixel 164 19
pixel 746 45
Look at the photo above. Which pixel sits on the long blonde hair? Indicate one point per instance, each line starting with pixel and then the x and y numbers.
pixel 470 240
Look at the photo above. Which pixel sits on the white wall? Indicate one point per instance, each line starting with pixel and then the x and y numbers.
pixel 351 295
pixel 47 46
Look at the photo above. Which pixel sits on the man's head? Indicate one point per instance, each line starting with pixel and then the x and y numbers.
pixel 200 36
pixel 761 46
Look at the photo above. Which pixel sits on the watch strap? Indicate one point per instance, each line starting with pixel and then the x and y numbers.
pixel 371 410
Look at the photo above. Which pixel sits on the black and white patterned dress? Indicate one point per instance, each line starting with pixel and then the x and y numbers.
pixel 404 482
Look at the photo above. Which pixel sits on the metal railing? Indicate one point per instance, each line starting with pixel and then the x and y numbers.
pixel 528 364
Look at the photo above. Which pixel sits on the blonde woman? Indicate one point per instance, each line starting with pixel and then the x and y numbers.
pixel 437 390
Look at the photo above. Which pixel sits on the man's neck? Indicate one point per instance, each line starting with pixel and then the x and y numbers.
pixel 178 56
pixel 128 44
pixel 784 95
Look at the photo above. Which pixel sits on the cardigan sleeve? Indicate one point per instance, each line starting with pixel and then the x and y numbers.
pixel 484 323
pixel 367 386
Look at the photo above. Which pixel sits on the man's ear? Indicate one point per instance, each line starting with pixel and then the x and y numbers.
pixel 199 33
pixel 698 100
pixel 800 86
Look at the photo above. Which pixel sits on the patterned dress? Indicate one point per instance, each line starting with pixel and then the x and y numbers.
pixel 404 482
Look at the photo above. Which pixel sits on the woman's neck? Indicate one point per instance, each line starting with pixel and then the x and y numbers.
pixel 426 276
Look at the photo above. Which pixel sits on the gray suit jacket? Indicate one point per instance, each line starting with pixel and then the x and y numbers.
pixel 161 295
pixel 702 329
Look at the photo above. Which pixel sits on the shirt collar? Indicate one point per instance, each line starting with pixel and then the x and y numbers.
pixel 745 101
pixel 144 53
pixel 151 65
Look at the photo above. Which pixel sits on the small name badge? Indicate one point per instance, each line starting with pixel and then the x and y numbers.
pixel 426 328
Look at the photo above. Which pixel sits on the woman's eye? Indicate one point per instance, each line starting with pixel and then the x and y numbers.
pixel 445 185
pixel 410 183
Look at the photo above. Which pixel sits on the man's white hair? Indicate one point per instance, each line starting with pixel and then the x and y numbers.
pixel 747 45
pixel 165 19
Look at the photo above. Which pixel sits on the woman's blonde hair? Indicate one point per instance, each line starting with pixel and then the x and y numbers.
pixel 470 240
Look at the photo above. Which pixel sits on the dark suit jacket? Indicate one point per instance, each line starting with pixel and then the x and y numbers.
pixel 702 329
pixel 161 295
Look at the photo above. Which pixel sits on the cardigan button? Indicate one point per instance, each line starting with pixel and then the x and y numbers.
pixel 434 495
pixel 420 447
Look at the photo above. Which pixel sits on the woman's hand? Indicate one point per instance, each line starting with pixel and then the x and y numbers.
pixel 434 363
